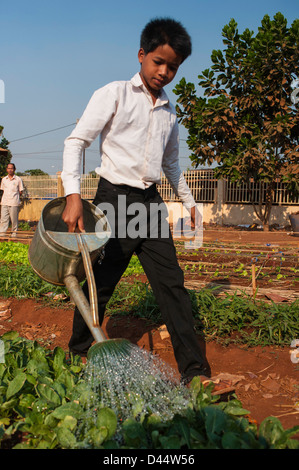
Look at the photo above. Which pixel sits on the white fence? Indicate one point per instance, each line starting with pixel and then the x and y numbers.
pixel 235 193
pixel 40 187
pixel 203 184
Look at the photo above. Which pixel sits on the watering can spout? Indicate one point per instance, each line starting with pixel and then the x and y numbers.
pixel 73 286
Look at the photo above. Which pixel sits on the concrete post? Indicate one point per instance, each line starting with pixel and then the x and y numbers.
pixel 220 201
pixel 60 188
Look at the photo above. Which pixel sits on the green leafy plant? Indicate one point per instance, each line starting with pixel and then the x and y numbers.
pixel 43 401
pixel 11 252
pixel 24 226
pixel 255 322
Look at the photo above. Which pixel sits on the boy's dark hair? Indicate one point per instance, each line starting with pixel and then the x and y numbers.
pixel 160 31
pixel 14 166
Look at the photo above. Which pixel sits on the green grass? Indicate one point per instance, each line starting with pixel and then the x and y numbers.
pixel 233 318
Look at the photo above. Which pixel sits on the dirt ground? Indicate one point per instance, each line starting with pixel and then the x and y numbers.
pixel 266 380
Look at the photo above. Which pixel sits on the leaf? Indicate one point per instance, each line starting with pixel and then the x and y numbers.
pixel 170 442
pixel 68 409
pixel 69 422
pixel 134 433
pixel 4 421
pixel 66 438
pixel 27 400
pixel 235 408
pixel 231 440
pixel 59 388
pixel 107 418
pixel 272 431
pixel 98 435
pixel 16 384
pixel 49 394
pixel 58 359
pixel 33 367
pixel 66 378
pixel 182 427
pixel 10 335
pixel 215 422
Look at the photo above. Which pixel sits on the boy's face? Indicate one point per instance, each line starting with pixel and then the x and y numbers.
pixel 158 68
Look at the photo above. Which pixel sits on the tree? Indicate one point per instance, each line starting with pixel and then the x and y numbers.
pixel 5 154
pixel 246 122
pixel 35 172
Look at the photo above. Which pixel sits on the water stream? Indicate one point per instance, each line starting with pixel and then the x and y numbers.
pixel 133 383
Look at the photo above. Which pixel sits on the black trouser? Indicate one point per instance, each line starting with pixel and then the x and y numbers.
pixel 157 255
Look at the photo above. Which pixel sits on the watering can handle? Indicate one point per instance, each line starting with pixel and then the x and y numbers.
pixel 90 279
pixel 89 311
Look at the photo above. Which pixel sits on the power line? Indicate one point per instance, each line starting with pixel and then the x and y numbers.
pixel 54 130
pixel 40 133
pixel 36 153
pixel 46 152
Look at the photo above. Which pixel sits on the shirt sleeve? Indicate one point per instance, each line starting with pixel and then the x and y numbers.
pixel 97 114
pixel 21 186
pixel 172 170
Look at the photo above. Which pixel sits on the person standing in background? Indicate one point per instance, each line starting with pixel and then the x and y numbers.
pixel 12 187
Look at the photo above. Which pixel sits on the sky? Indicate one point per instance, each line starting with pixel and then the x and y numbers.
pixel 55 54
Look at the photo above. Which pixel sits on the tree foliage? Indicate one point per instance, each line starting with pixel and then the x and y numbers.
pixel 34 172
pixel 5 157
pixel 246 122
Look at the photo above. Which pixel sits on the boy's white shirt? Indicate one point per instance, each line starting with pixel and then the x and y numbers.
pixel 138 139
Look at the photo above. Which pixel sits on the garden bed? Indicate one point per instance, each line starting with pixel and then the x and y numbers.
pixel 266 380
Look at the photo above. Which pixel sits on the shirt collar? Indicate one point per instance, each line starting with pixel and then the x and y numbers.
pixel 137 82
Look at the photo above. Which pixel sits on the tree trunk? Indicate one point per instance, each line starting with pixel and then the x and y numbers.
pixel 263 210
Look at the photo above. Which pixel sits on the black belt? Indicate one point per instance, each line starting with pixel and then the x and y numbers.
pixel 124 187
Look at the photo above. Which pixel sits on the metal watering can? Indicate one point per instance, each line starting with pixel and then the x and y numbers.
pixel 63 258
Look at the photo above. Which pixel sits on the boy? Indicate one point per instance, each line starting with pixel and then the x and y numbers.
pixel 139 137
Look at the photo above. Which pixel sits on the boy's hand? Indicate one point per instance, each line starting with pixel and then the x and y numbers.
pixel 73 213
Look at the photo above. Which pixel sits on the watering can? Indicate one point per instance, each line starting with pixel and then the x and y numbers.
pixel 63 258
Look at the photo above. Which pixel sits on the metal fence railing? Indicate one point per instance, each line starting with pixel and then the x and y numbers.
pixel 203 184
pixel 239 193
pixel 89 186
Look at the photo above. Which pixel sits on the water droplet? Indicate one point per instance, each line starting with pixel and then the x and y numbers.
pixel 133 383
